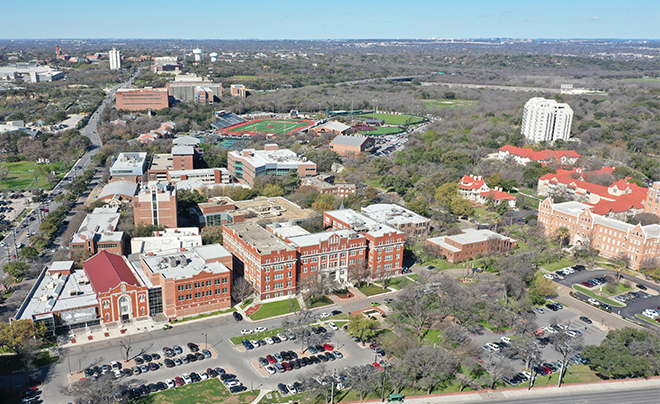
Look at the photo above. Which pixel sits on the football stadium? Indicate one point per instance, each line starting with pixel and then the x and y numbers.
pixel 268 126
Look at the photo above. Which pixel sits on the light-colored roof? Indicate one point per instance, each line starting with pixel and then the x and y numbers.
pixel 360 222
pixel 344 140
pixel 119 188
pixel 265 210
pixel 286 230
pixel 212 251
pixel 101 224
pixel 392 214
pixel 570 208
pixel 255 235
pixel 440 241
pixel 316 238
pixel 186 141
pixel 271 159
pixel 156 244
pixel 476 236
pixel 179 150
pixel 185 264
pixel 129 160
pixel 336 126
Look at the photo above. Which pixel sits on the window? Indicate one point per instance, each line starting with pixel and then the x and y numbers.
pixel 198 295
pixel 224 290
pixel 351 262
pixel 106 303
pixel 313 259
pixel 182 298
pixel 208 283
pixel 217 291
pixel 304 270
pixel 388 257
pixel 278 277
pixel 289 283
pixel 278 285
pixel 312 268
pixel 267 288
pixel 217 281
pixel 224 280
pixel 188 296
pixel 180 288
pixel 289 274
pixel 209 292
pixel 142 298
pixel 267 278
pixel 197 284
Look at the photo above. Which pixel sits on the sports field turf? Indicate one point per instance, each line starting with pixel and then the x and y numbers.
pixel 382 130
pixel 393 119
pixel 276 126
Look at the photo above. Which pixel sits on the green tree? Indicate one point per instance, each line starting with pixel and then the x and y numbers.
pixel 147 230
pixel 419 205
pixel 28 253
pixel 272 190
pixel 502 208
pixel 186 199
pixel 212 235
pixel 291 182
pixel 16 269
pixel 545 286
pixel 323 203
pixel 363 328
pixel 446 193
pixel 561 235
pixel 462 207
pixel 625 353
pixel 19 334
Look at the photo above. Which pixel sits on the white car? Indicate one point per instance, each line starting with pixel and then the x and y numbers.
pixel 550 276
pixel 233 383
pixel 593 301
pixel 292 389
pixel 506 340
pixel 186 378
pixel 488 348
pixel 281 336
pixel 254 343
pixel 325 315
pixel 170 383
pixel 271 370
pixel 204 376
pixel 551 330
pixel 269 340
pixel 246 331
pixel 260 329
pixel 333 326
pixel 571 333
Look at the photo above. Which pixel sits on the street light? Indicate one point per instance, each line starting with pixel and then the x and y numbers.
pixel 206 340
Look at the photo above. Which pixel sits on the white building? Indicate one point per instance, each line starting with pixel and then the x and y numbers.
pixel 398 217
pixel 129 164
pixel 546 120
pixel 169 239
pixel 115 59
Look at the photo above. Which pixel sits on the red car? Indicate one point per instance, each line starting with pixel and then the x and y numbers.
pixel 287 366
pixel 271 359
pixel 328 347
pixel 179 381
pixel 376 365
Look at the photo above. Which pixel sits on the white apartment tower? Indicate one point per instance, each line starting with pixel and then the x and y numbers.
pixel 546 120
pixel 115 59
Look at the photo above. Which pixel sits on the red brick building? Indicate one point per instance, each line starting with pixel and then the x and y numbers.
pixel 140 99
pixel 652 202
pixel 384 243
pixel 352 145
pixel 264 260
pixel 155 204
pixel 469 244
pixel 121 295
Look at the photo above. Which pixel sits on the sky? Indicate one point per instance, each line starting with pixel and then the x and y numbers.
pixel 332 19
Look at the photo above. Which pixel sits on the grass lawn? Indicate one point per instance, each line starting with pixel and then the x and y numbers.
pixel 319 301
pixel 491 327
pixel 273 309
pixel 432 337
pixel 639 316
pixel 449 103
pixel 371 290
pixel 620 288
pixel 394 119
pixel 482 215
pixel 383 130
pixel 276 126
pixel 259 335
pixel 215 313
pixel 580 374
pixel 206 392
pixel 589 293
pixel 417 278
pixel 21 175
pixel 246 303
pixel 43 359
pixel 563 263
pixel 441 264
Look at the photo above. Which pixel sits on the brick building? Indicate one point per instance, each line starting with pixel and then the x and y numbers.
pixel 334 127
pixel 97 233
pixel 238 90
pixel 652 201
pixel 613 239
pixel 352 145
pixel 384 243
pixel 193 281
pixel 470 243
pixel 264 260
pixel 140 99
pixel 325 184
pixel 155 204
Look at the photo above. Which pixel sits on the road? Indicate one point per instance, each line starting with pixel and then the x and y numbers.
pixel 492 87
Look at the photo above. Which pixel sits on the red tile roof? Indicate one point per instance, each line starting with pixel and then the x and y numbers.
pixel 622 204
pixel 470 182
pixel 498 195
pixel 107 270
pixel 545 155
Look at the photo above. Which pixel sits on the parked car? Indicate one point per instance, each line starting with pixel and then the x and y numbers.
pixel 586 319
pixel 237 316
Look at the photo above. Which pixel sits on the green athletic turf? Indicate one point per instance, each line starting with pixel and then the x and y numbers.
pixel 392 119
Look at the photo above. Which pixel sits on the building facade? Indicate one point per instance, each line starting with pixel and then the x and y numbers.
pixel 325 184
pixel 546 121
pixel 613 239
pixel 249 164
pixel 185 88
pixel 155 204
pixel 264 260
pixel 407 221
pixel 470 243
pixel 523 155
pixel 352 145
pixel 652 201
pixel 238 90
pixel 141 99
pixel 97 233
pixel 115 59
pixel 128 167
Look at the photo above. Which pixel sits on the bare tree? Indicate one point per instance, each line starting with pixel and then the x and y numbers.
pixel 103 390
pixel 300 324
pixel 414 308
pixel 241 289
pixel 125 346
pixel 566 345
pixel 496 366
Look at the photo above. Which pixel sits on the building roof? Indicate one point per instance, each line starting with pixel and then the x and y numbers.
pixel 264 210
pixel 99 224
pixel 362 223
pixel 392 214
pixel 571 208
pixel 129 160
pixel 188 263
pixel 497 195
pixel 343 140
pixel 186 141
pixel 335 126
pixel 286 230
pixel 156 244
pixel 280 158
pixel 180 150
pixel 255 235
pixel 309 240
pixel 107 270
pixel 539 156
pixel 212 251
pixel 471 182
pixel 476 236
pixel 119 188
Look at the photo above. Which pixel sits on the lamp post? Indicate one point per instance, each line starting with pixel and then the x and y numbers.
pixel 206 339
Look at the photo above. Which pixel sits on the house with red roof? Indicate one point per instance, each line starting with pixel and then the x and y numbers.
pixel 523 155
pixel 121 293
pixel 474 188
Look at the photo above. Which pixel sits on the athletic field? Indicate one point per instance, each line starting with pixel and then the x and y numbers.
pixel 268 125
pixel 394 119
pixel 382 130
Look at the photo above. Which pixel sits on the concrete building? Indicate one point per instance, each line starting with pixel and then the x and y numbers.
pixel 248 164
pixel 264 260
pixel 169 239
pixel 407 221
pixel 335 127
pixel 166 65
pixel 97 233
pixel 142 99
pixel 352 145
pixel 523 156
pixel 115 59
pixel 546 120
pixel 30 73
pixel 337 256
pixel 128 167
pixel 192 281
pixel 385 243
pixel 192 88
pixel 155 204
pixel 205 176
pixel 118 192
pixel 238 90
pixel 325 184
pixel 613 239
pixel 470 243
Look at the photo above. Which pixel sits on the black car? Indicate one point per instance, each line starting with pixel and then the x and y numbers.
pixel 642 287
pixel 307 361
pixel 195 377
pixel 237 389
pixel 127 372
pixel 335 312
pixel 263 361
pixel 153 366
pixel 153 388
pixel 227 376
pixel 276 339
pixel 285 355
pixel 299 387
pixel 320 348
pixel 606 307
pixel 295 364
pixel 193 347
pixel 552 306
pixel 146 357
pixel 220 371
pixel 155 356
pixel 330 356
pixel 238 316
pixel 293 355
pixel 315 359
pixel 144 389
pixel 586 319
pixel 200 356
pixel 282 388
pixel 169 363
pixel 322 330
pixel 191 357
pixel 579 267
pixel 301 362
pixel 162 385
pixel 322 357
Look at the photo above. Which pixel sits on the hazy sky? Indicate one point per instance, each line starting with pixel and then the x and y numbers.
pixel 333 19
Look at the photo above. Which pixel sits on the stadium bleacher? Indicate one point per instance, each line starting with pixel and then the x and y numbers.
pixel 225 119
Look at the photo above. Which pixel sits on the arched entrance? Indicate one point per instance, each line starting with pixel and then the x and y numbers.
pixel 125 308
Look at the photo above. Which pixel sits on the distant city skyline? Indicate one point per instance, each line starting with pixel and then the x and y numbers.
pixel 340 19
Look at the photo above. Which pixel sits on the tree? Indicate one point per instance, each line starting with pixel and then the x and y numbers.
pixel 446 193
pixel 496 366
pixel 186 199
pixel 527 347
pixel 19 335
pixel 562 235
pixel 323 203
pixel 240 289
pixel 462 207
pixel 363 328
pixel 147 230
pixel 566 346
pixel 103 390
pixel 429 367
pixel 125 346
pixel 545 286
pixel 16 269
pixel 625 353
pixel 300 324
pixel 28 253
pixel 415 308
